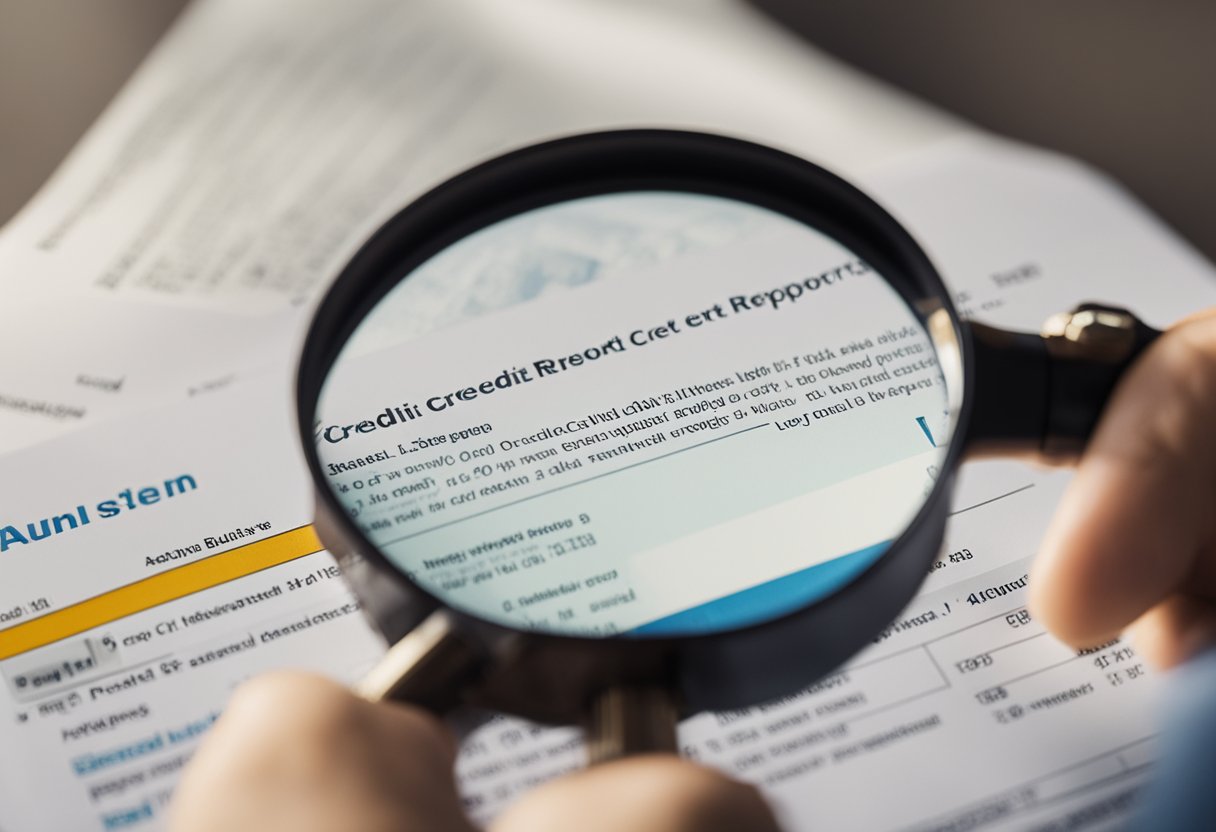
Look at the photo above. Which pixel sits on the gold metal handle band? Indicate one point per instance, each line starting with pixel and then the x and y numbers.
pixel 628 720
pixel 1092 332
pixel 412 668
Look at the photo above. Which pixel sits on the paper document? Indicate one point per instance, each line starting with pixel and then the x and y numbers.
pixel 153 562
pixel 186 239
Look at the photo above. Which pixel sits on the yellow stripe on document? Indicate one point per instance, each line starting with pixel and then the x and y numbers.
pixel 158 589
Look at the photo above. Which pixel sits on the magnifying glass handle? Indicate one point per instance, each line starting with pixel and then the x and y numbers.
pixel 1044 393
pixel 627 720
pixel 430 665
pixel 427 667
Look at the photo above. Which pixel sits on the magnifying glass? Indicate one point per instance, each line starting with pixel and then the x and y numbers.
pixel 637 424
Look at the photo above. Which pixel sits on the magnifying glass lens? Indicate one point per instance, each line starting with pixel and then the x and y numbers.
pixel 643 413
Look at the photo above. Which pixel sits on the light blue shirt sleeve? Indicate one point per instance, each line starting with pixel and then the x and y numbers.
pixel 1182 792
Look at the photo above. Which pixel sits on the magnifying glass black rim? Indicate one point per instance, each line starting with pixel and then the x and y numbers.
pixel 652 160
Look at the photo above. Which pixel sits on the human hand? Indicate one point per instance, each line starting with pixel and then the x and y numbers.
pixel 1133 542
pixel 300 753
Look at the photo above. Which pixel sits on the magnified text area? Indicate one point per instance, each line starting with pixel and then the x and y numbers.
pixel 721 415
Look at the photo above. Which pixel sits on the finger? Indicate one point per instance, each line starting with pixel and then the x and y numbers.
pixel 1140 511
pixel 642 794
pixel 1174 631
pixel 299 752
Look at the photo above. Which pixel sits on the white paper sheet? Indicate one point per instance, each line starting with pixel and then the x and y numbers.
pixel 187 236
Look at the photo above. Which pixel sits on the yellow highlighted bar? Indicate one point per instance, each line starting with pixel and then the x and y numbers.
pixel 158 589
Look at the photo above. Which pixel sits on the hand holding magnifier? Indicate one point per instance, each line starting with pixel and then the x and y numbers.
pixel 639 423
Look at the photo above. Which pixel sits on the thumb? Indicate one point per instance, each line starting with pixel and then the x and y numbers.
pixel 1137 523
pixel 654 793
